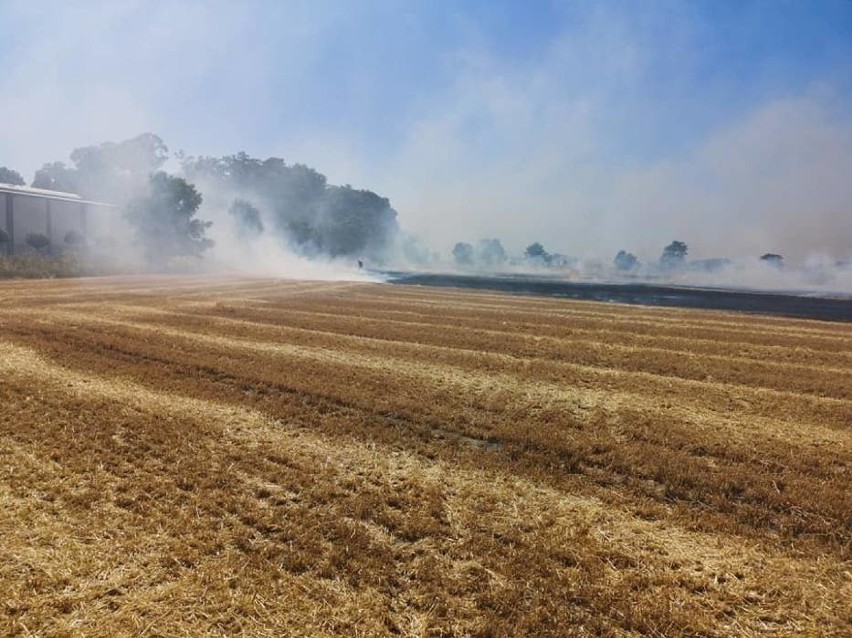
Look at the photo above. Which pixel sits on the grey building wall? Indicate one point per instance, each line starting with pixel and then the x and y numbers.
pixel 3 212
pixel 54 218
pixel 30 217
pixel 65 217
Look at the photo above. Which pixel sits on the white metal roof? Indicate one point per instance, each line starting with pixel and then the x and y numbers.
pixel 47 194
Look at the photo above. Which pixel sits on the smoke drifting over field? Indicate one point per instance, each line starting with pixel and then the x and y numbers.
pixel 263 251
pixel 592 129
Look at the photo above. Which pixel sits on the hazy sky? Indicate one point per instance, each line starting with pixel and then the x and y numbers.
pixel 587 126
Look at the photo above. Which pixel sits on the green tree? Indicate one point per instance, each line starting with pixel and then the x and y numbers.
pixel 626 261
pixel 164 219
pixel 463 253
pixel 56 176
pixel 9 176
pixel 536 252
pixel 246 216
pixel 352 222
pixel 772 259
pixel 111 171
pixel 301 207
pixel 38 241
pixel 674 255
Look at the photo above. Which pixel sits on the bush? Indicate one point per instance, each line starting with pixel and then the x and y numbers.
pixel 38 241
pixel 37 267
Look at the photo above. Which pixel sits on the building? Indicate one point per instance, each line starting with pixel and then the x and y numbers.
pixel 25 211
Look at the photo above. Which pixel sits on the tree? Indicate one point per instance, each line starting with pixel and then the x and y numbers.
pixel 112 171
pixel 625 261
pixel 674 254
pixel 9 176
pixel 490 252
pixel 56 176
pixel 352 222
pixel 536 252
pixel 164 219
pixel 772 259
pixel 246 216
pixel 38 241
pixel 463 253
pixel 301 206
pixel 5 241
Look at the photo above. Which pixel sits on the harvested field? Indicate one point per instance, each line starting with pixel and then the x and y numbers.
pixel 186 456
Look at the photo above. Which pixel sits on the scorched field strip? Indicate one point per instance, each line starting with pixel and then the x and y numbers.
pixel 193 456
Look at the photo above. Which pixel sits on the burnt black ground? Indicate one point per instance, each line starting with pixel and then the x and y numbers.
pixel 836 308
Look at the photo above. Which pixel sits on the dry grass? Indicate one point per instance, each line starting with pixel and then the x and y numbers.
pixel 181 456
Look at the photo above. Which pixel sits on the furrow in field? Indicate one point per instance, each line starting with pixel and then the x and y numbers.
pixel 565 408
pixel 230 420
pixel 695 462
pixel 528 339
pixel 715 484
pixel 581 554
pixel 175 459
pixel 526 321
pixel 664 319
pixel 269 294
pixel 778 375
pixel 563 308
pixel 578 537
pixel 461 328
pixel 145 288
pixel 790 406
pixel 106 289
pixel 452 296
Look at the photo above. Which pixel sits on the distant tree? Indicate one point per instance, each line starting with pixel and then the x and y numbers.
pixel 349 222
pixel 536 252
pixel 9 176
pixel 38 241
pixel 772 259
pixel 674 254
pixel 5 241
pixel 559 260
pixel 56 176
pixel 625 261
pixel 300 205
pixel 490 252
pixel 112 171
pixel 164 219
pixel 247 217
pixel 463 253
pixel 138 155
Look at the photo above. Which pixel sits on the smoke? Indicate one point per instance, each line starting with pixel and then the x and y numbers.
pixel 264 255
pixel 775 179
pixel 590 128
pixel 261 249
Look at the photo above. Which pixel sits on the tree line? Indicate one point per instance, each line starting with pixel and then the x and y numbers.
pixel 292 201
pixel 489 254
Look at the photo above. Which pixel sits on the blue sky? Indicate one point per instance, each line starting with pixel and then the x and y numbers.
pixel 592 124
